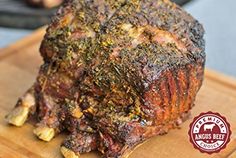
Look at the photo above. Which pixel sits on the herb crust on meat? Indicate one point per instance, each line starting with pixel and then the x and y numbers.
pixel 115 73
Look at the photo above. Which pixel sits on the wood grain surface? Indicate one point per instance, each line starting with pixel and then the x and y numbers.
pixel 19 64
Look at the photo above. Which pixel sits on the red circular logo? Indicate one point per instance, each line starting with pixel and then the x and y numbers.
pixel 209 132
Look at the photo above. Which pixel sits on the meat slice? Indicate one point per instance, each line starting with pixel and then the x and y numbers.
pixel 115 73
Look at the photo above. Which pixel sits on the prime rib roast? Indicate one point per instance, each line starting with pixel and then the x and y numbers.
pixel 115 73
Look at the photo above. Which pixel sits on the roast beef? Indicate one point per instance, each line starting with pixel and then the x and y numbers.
pixel 115 73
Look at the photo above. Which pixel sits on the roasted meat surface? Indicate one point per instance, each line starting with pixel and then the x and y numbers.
pixel 115 73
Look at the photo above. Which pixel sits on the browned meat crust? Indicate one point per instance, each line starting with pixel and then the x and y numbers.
pixel 115 73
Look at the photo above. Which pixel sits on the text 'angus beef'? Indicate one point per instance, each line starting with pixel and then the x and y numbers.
pixel 115 73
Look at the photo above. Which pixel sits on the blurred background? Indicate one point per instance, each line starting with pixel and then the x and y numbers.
pixel 19 18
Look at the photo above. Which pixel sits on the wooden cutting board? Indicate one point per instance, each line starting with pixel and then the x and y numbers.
pixel 19 64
